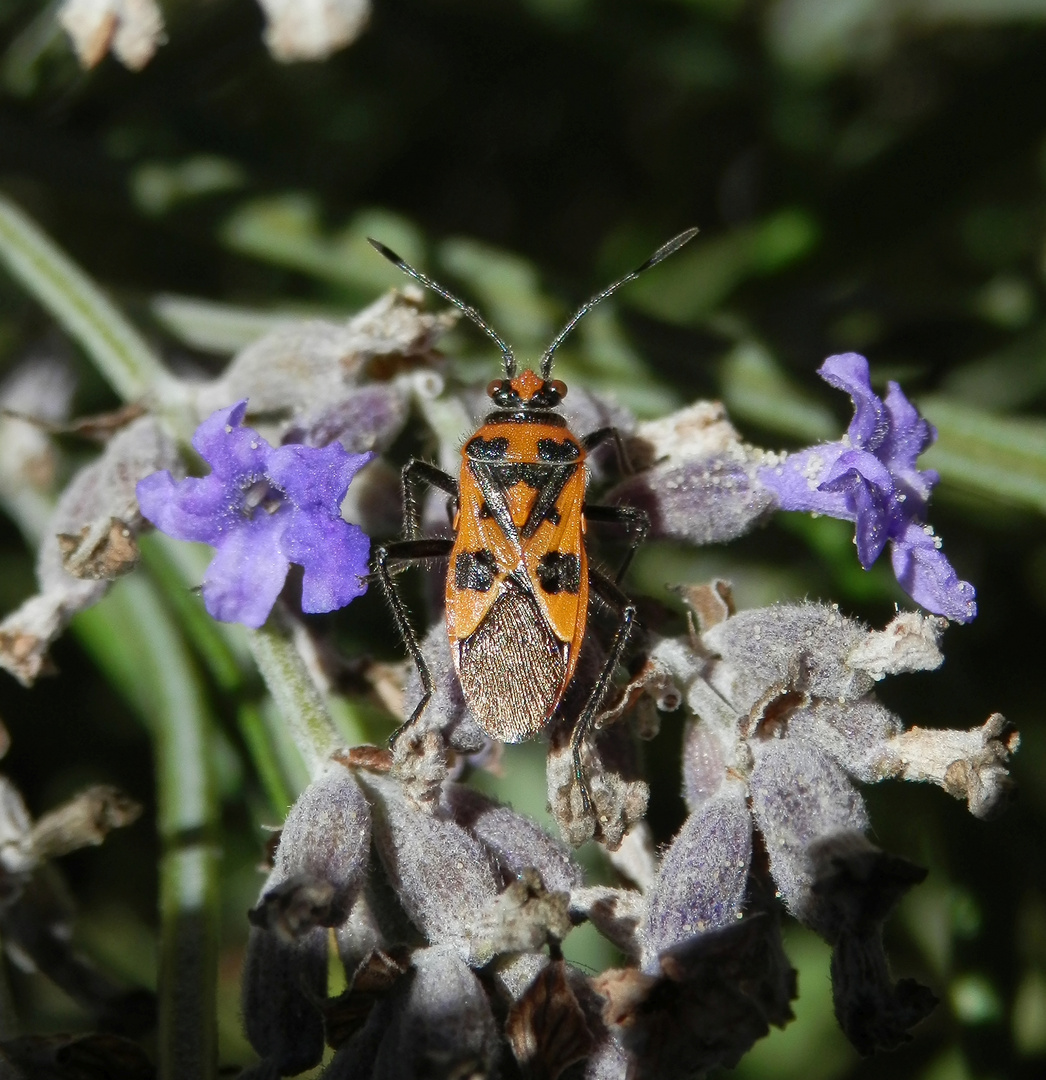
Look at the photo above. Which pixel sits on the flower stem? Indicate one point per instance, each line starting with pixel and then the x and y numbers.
pixel 304 710
pixel 120 353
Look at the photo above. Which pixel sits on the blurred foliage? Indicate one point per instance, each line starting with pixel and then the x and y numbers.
pixel 866 175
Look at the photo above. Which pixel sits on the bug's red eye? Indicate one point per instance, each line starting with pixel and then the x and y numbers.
pixel 558 387
pixel 493 387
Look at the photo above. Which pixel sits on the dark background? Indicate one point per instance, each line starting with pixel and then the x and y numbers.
pixel 879 186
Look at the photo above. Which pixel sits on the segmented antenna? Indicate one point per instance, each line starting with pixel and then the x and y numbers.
pixel 467 310
pixel 662 252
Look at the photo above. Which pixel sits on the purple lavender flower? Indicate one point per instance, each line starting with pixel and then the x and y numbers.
pixel 263 508
pixel 870 477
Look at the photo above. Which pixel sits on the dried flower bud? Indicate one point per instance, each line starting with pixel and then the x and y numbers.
pixel 802 646
pixel 617 792
pixel 969 765
pixel 284 982
pixel 516 841
pixel 800 796
pixel 701 883
pixel 856 886
pixel 320 863
pixel 715 995
pixel 320 860
pixel 700 484
pixel 309 365
pixel 98 494
pixel 909 642
pixel 875 1012
pixel 84 821
pixel 444 877
pixel 441 1025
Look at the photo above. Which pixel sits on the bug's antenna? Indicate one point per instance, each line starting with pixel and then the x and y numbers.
pixel 669 248
pixel 466 309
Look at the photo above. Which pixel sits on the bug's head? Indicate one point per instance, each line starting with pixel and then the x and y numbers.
pixel 527 391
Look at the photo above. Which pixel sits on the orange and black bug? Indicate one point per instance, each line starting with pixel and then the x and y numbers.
pixel 519 582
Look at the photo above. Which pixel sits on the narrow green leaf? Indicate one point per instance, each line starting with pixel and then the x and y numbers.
pixel 995 456
pixel 259 746
pixel 216 327
pixel 120 353
pixel 755 389
pixel 286 230
pixel 691 285
pixel 178 714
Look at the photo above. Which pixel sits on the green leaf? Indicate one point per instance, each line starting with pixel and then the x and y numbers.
pixel 691 285
pixel 287 231
pixel 1003 458
pixel 756 389
pixel 119 352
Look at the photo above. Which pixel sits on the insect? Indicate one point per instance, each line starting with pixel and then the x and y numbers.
pixel 519 582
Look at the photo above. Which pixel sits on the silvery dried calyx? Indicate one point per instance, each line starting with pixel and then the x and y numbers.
pixel 784 721
pixel 695 478
pixel 88 542
pixel 319 869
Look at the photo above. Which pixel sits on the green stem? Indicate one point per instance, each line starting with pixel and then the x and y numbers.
pixel 265 758
pixel 188 821
pixel 91 319
pixel 297 696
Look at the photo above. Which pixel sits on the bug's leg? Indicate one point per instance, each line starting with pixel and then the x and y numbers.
pixel 416 475
pixel 615 599
pixel 408 551
pixel 602 435
pixel 635 521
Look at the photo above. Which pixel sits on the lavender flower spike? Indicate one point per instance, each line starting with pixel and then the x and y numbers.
pixel 870 477
pixel 263 508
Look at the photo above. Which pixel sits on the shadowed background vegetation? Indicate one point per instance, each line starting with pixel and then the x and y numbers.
pixel 866 176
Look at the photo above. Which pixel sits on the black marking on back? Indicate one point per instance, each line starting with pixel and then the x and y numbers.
pixel 544 508
pixel 547 480
pixel 554 451
pixel 545 417
pixel 487 449
pixel 558 572
pixel 520 472
pixel 475 570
